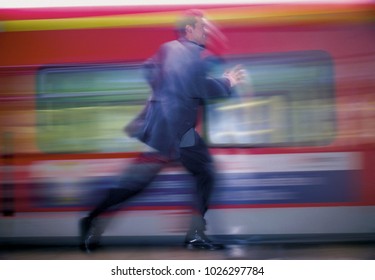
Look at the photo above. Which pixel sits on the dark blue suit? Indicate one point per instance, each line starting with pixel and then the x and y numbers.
pixel 178 77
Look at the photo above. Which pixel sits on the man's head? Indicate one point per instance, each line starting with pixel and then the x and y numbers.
pixel 192 26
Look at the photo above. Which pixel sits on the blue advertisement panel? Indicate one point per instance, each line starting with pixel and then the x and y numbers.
pixel 242 180
pixel 175 190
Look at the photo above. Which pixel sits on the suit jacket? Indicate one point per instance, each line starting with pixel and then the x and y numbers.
pixel 177 74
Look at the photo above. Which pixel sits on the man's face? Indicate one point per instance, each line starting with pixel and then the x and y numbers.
pixel 199 32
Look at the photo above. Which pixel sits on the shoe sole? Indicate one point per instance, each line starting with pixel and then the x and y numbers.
pixel 197 247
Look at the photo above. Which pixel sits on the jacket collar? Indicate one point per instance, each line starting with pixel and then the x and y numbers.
pixel 184 41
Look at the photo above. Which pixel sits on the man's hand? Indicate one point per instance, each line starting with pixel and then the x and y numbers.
pixel 236 75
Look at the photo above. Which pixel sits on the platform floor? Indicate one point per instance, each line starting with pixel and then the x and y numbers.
pixel 299 251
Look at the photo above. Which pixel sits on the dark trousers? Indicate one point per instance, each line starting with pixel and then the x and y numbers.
pixel 196 159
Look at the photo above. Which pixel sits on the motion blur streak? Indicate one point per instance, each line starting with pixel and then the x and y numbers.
pixel 258 15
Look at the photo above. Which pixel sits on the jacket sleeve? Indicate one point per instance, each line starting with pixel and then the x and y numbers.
pixel 215 87
pixel 218 87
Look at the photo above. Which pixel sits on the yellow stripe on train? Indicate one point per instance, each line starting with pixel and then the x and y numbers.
pixel 227 16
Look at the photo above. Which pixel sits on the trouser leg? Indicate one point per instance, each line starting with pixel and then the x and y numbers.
pixel 133 180
pixel 198 161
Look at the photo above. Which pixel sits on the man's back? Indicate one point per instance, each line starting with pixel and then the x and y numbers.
pixel 176 74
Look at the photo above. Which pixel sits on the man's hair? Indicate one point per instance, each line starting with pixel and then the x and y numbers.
pixel 189 17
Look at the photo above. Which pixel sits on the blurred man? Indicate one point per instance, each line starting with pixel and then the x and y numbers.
pixel 177 74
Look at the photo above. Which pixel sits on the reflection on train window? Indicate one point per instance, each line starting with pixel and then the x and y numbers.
pixel 84 109
pixel 287 101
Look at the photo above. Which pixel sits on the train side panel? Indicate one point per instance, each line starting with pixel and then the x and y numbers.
pixel 295 156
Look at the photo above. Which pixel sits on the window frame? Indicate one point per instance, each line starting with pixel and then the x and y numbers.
pixel 71 68
pixel 307 55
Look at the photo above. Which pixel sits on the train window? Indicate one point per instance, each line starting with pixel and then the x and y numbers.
pixel 287 101
pixel 84 108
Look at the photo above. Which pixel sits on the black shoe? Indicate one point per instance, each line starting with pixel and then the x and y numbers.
pixel 89 236
pixel 198 240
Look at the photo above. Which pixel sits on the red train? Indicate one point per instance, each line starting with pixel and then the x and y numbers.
pixel 295 154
